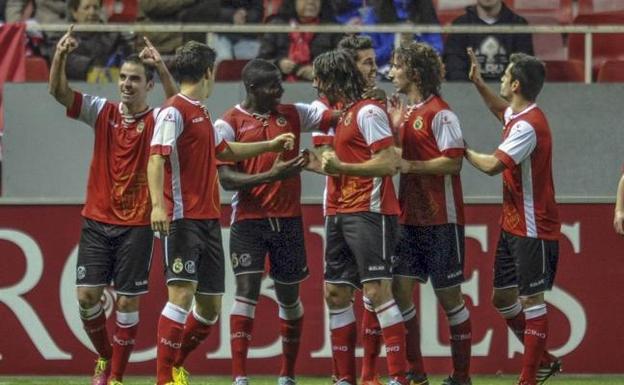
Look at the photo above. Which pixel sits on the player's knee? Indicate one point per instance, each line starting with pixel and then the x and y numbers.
pixel 127 304
pixel 336 297
pixel 248 286
pixel 181 294
pixel 88 298
pixel 379 292
pixel 502 299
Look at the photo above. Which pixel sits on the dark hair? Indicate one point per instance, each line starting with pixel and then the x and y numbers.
pixel 423 65
pixel 73 5
pixel 337 71
pixel 258 71
pixel 355 42
pixel 192 60
pixel 530 72
pixel 288 11
pixel 135 59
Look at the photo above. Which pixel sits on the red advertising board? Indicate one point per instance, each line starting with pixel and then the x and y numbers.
pixel 42 334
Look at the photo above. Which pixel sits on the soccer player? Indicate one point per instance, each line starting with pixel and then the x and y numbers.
pixel 183 185
pixel 266 213
pixel 618 217
pixel 116 240
pixel 359 249
pixel 528 246
pixel 431 241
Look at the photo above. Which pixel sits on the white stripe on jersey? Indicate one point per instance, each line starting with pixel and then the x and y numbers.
pixel 375 198
pixel 451 211
pixel 90 109
pixel 225 130
pixel 176 185
pixel 325 195
pixel 527 195
pixel 234 205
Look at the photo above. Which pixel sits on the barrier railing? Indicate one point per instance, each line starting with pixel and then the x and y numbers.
pixel 587 30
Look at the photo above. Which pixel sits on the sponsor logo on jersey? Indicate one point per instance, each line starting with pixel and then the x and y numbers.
pixel 171 344
pixel 122 342
pixel 177 265
pixel 376 268
pixel 245 335
pixel 197 120
pixel 234 259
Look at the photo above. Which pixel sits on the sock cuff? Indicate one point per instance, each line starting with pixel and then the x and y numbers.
pixel 388 314
pixel 409 313
pixel 291 312
pixel 203 320
pixel 535 311
pixel 458 316
pixel 368 304
pixel 244 307
pixel 127 320
pixel 92 312
pixel 510 312
pixel 341 317
pixel 175 313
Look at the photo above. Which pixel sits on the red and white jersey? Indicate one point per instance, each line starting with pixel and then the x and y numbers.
pixel 185 135
pixel 529 207
pixel 363 130
pixel 430 131
pixel 117 191
pixel 331 193
pixel 281 198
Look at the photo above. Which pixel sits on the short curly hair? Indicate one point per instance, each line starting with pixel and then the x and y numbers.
pixel 192 60
pixel 423 65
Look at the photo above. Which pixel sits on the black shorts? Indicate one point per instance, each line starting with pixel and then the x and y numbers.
pixel 359 247
pixel 281 238
pixel 112 253
pixel 431 251
pixel 193 252
pixel 530 264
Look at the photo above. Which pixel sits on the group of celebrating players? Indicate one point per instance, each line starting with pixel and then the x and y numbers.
pixel 159 169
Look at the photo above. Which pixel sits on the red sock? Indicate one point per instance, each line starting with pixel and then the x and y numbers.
pixel 169 341
pixel 343 349
pixel 371 342
pixel 461 344
pixel 412 342
pixel 240 338
pixel 535 335
pixel 195 332
pixel 517 325
pixel 290 331
pixel 123 344
pixel 96 330
pixel 394 338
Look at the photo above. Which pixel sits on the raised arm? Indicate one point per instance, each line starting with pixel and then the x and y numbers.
pixel 618 218
pixel 58 85
pixel 232 179
pixel 495 103
pixel 151 56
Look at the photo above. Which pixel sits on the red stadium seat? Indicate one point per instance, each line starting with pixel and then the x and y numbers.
pixel 37 69
pixel 586 7
pixel 558 9
pixel 547 46
pixel 611 71
pixel 230 70
pixel 604 46
pixel 564 71
pixel 121 11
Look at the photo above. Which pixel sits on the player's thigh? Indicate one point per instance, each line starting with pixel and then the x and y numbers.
pixel 372 240
pixel 340 265
pixel 211 266
pixel 182 250
pixel 133 259
pixel 537 264
pixel 287 254
pixel 95 255
pixel 445 255
pixel 409 261
pixel 248 248
pixel 505 264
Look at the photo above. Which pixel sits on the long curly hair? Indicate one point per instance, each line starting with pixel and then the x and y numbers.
pixel 338 76
pixel 423 65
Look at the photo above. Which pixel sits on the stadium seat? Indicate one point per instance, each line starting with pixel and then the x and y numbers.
pixel 547 46
pixel 230 70
pixel 564 71
pixel 121 11
pixel 604 46
pixel 37 69
pixel 558 9
pixel 611 71
pixel 586 7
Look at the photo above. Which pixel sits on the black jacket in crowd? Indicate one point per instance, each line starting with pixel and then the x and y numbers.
pixel 492 50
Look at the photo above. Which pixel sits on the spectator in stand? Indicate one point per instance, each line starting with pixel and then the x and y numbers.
pixel 293 53
pixel 236 45
pixel 97 51
pixel 42 11
pixel 270 9
pixel 492 50
pixel 177 11
pixel 388 12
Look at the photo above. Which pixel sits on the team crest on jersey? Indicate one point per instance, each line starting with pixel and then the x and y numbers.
pixel 140 127
pixel 234 259
pixel 281 121
pixel 189 266
pixel 245 260
pixel 177 266
pixel 348 118
pixel 81 272
pixel 418 123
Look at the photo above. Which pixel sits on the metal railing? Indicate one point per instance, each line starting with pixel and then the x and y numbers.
pixel 587 30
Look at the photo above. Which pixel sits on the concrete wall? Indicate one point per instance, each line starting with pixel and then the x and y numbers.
pixel 47 155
